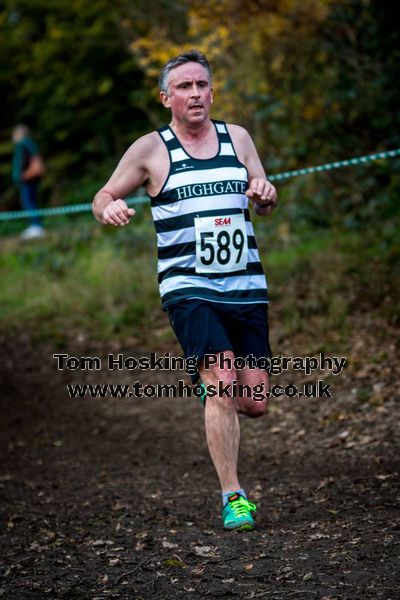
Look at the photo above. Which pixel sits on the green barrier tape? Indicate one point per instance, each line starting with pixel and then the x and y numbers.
pixel 61 210
pixel 78 208
pixel 336 165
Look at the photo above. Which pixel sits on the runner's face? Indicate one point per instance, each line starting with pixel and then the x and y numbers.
pixel 189 93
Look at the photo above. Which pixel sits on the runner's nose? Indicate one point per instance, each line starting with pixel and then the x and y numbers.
pixel 195 91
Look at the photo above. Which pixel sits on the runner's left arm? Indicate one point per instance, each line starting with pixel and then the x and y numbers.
pixel 261 191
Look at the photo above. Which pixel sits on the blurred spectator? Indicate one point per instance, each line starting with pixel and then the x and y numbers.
pixel 27 171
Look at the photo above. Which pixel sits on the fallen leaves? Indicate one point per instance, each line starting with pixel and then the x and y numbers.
pixel 102 543
pixel 139 546
pixel 166 544
pixel 333 509
pixel 205 551
pixel 174 562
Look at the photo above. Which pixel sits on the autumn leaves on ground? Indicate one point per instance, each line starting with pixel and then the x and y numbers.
pixel 116 498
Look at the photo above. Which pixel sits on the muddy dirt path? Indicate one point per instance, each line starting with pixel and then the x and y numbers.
pixel 117 498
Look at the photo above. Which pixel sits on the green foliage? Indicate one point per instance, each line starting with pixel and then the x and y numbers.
pixel 68 72
pixel 313 82
pixel 101 282
pixel 316 82
pixel 80 280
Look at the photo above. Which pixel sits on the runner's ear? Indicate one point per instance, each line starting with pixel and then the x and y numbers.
pixel 165 99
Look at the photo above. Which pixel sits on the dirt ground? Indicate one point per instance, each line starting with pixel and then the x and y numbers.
pixel 117 498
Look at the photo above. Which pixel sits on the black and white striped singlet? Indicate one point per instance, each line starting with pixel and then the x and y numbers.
pixel 198 193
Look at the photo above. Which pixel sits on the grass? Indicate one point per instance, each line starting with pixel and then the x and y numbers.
pixel 102 281
pixel 91 279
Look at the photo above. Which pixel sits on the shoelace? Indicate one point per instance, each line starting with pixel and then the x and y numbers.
pixel 241 506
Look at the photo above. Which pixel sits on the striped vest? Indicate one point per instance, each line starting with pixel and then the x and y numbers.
pixel 196 188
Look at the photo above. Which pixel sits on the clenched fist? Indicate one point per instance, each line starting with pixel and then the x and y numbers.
pixel 117 213
pixel 263 195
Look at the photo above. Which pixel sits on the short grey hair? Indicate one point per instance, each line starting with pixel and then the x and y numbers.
pixel 182 59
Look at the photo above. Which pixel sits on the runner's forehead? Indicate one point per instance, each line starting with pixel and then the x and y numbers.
pixel 188 72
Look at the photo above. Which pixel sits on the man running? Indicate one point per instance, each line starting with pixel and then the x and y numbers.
pixel 200 174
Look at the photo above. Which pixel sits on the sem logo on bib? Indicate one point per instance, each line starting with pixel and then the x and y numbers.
pixel 222 221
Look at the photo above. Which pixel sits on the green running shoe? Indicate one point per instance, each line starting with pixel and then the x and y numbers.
pixel 237 513
pixel 203 396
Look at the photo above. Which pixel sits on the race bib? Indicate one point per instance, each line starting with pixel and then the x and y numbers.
pixel 221 244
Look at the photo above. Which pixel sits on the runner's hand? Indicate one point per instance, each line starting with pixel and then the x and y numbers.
pixel 117 213
pixel 263 195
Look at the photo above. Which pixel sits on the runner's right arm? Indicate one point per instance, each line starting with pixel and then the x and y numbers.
pixel 109 206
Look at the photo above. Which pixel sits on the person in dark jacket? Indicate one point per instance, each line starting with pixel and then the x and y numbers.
pixel 27 170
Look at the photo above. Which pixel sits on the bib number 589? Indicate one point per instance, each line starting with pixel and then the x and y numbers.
pixel 221 244
pixel 221 252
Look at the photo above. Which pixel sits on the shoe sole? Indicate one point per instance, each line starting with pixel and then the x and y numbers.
pixel 244 527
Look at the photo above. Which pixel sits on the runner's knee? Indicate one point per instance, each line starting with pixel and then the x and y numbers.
pixel 256 409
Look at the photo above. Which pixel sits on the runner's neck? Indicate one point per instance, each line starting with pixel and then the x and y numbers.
pixel 196 134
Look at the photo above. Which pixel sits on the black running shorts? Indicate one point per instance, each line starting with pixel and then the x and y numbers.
pixel 204 327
